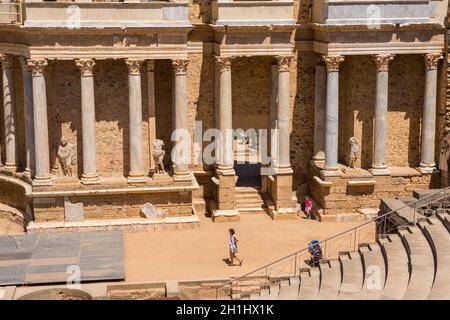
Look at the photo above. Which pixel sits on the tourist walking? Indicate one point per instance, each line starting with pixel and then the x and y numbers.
pixel 232 244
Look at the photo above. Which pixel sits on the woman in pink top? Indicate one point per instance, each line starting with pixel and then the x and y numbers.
pixel 308 207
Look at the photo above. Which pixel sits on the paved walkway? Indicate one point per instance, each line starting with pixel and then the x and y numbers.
pixel 199 253
pixel 33 259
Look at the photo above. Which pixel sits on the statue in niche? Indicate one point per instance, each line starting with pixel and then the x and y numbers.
pixel 158 156
pixel 444 157
pixel 354 152
pixel 66 156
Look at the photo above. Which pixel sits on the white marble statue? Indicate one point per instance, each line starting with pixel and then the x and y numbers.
pixel 354 152
pixel 66 156
pixel 158 155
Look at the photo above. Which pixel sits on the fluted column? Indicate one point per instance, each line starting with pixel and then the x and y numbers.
pixel 427 164
pixel 9 112
pixel 42 160
pixel 151 108
pixel 319 113
pixel 181 162
pixel 28 116
pixel 283 162
pixel 90 175
pixel 225 164
pixel 379 166
pixel 136 173
pixel 332 113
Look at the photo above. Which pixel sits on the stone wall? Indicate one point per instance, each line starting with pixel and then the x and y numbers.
pixel 116 206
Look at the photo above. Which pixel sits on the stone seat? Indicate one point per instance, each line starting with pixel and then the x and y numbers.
pixel 309 284
pixel 352 275
pixel 330 284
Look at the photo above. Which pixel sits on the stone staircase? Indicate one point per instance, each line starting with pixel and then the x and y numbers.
pixel 410 263
pixel 249 200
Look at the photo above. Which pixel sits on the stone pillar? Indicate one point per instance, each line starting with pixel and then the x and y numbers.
pixel 28 117
pixel 427 164
pixel 379 166
pixel 151 108
pixel 42 175
pixel 180 117
pixel 90 174
pixel 225 161
pixel 332 114
pixel 136 173
pixel 319 113
pixel 9 112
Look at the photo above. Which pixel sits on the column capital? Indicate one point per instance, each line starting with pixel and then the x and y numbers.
pixel 333 62
pixel 86 67
pixel 6 61
pixel 382 61
pixel 224 63
pixel 432 60
pixel 37 67
pixel 134 66
pixel 180 66
pixel 24 63
pixel 283 63
pixel 150 65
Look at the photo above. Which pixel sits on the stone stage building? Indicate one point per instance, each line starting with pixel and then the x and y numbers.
pixel 91 89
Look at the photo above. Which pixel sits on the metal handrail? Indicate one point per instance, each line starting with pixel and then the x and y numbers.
pixel 419 202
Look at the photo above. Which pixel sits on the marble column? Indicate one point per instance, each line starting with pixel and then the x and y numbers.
pixel 427 164
pixel 283 161
pixel 379 166
pixel 319 113
pixel 225 160
pixel 136 173
pixel 180 117
pixel 42 174
pixel 9 112
pixel 151 108
pixel 28 116
pixel 332 113
pixel 90 174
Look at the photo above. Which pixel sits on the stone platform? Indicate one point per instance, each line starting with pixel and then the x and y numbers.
pixel 49 258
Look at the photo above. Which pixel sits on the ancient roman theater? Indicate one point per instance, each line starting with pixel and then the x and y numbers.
pixel 138 124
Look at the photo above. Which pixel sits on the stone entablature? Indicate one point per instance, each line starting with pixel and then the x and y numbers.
pixel 375 13
pixel 256 13
pixel 105 14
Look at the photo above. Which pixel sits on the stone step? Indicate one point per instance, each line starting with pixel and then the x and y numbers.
pixel 374 270
pixel 330 283
pixel 252 211
pixel 289 291
pixel 421 264
pixel 437 236
pixel 309 284
pixel 352 275
pixel 396 258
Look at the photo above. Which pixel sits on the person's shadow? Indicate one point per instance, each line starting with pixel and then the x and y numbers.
pixel 227 261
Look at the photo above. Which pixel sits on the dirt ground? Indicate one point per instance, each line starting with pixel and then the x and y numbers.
pixel 200 253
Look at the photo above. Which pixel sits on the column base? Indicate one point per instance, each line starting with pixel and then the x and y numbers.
pixel 136 177
pixel 284 171
pixel 182 176
pixel 380 171
pixel 225 171
pixel 42 181
pixel 331 172
pixel 427 169
pixel 90 179
pixel 9 169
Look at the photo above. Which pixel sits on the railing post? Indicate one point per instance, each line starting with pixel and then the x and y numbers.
pixel 295 265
